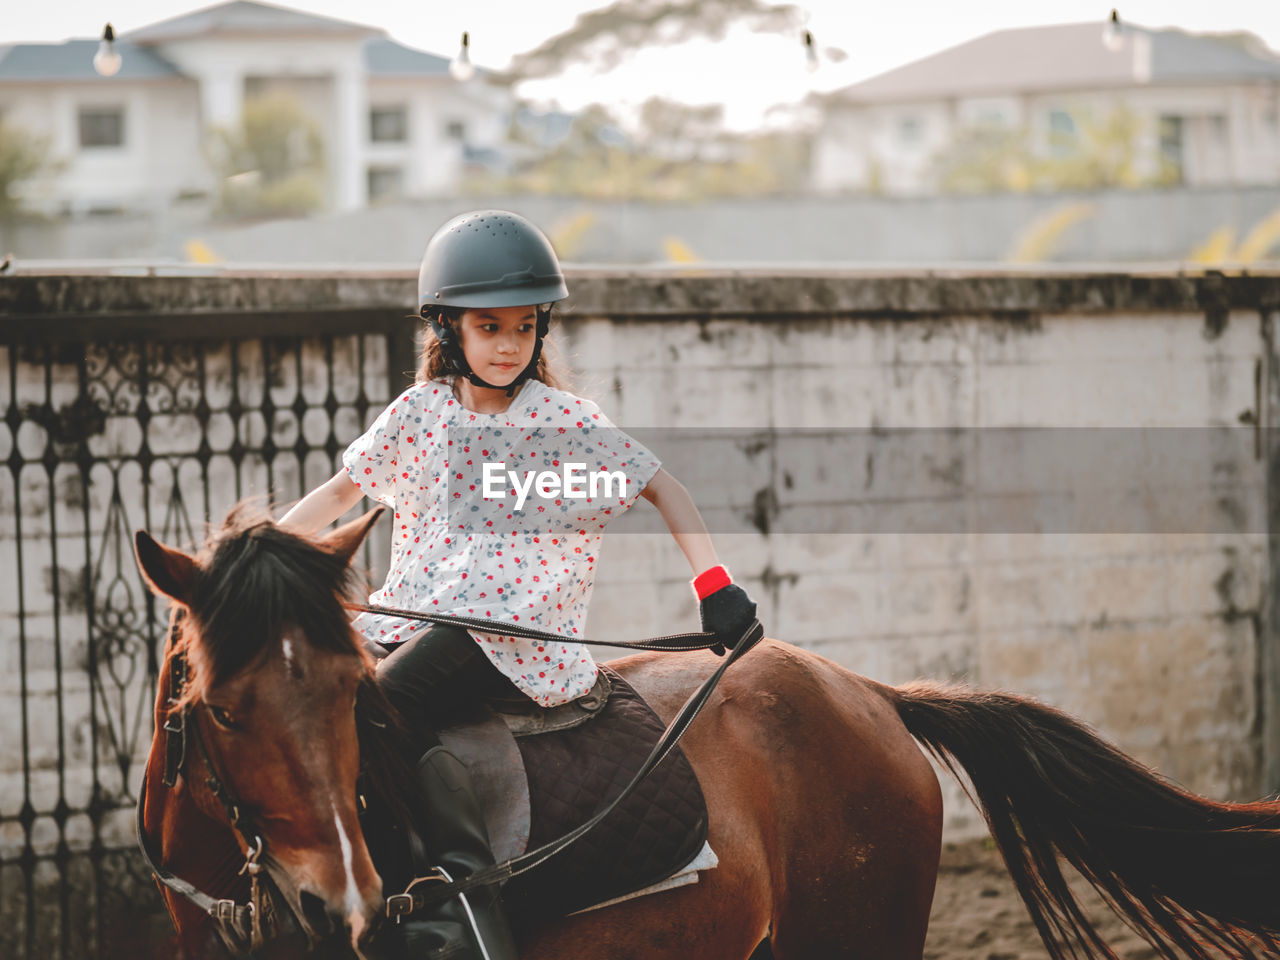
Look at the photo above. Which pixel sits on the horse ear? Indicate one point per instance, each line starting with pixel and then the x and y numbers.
pixel 346 540
pixel 167 571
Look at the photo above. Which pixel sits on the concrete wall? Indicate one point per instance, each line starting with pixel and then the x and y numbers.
pixel 1160 640
pixel 1152 638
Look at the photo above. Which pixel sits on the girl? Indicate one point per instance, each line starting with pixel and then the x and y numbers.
pixel 485 394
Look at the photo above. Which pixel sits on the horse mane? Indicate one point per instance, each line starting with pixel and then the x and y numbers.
pixel 255 580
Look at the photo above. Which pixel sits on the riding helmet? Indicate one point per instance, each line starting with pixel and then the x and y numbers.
pixel 488 258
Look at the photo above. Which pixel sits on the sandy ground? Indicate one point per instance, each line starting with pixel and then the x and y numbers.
pixel 978 915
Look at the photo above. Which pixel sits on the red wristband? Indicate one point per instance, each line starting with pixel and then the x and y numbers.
pixel 709 581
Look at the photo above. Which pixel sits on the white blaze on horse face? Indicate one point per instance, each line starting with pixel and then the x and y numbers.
pixel 288 654
pixel 351 902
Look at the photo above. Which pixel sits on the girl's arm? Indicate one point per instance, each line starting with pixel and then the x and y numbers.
pixel 323 505
pixel 723 607
pixel 683 520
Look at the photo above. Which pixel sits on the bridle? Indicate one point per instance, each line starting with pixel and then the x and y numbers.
pixel 244 927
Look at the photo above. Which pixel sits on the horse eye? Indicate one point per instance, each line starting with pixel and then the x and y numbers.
pixel 222 718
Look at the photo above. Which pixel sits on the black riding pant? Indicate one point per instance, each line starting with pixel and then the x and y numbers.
pixel 432 676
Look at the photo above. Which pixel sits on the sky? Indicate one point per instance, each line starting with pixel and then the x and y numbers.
pixel 747 73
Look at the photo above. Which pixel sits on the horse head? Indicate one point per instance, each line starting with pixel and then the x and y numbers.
pixel 274 670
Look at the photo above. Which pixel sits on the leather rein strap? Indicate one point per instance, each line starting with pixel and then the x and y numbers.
pixel 414 899
pixel 240 925
pixel 672 643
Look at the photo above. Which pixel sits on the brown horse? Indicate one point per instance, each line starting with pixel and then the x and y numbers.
pixel 825 813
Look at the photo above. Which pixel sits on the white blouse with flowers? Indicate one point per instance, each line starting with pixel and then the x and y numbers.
pixel 454 551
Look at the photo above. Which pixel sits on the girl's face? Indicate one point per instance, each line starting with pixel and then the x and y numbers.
pixel 498 341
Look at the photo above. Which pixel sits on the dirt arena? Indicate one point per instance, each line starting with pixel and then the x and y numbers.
pixel 978 915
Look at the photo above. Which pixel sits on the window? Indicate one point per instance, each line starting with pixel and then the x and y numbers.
pixel 101 127
pixel 1170 129
pixel 991 118
pixel 455 130
pixel 909 129
pixel 385 183
pixel 388 125
pixel 1062 132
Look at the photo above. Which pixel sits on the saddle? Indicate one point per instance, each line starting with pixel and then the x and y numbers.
pixel 539 773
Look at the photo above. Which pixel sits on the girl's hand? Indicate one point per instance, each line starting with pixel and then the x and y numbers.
pixel 725 609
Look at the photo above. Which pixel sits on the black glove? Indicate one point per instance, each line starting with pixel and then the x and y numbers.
pixel 726 611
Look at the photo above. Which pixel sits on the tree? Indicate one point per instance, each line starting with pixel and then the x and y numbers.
pixel 272 164
pixel 1103 153
pixel 604 38
pixel 677 153
pixel 986 159
pixel 22 156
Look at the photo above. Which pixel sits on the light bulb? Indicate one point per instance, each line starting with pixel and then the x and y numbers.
pixel 1113 33
pixel 810 52
pixel 106 61
pixel 460 67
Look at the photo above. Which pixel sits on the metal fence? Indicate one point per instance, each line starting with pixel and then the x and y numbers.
pixel 105 429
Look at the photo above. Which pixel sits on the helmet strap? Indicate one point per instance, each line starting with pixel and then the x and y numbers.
pixel 456 361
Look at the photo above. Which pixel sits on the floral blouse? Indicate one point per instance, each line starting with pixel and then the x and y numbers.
pixel 467 543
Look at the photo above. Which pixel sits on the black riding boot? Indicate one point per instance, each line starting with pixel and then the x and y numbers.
pixel 458 845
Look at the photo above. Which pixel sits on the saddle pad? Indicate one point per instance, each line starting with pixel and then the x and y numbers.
pixel 574 773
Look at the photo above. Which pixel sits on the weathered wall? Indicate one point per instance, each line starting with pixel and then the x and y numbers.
pixel 1158 639
pixel 1150 637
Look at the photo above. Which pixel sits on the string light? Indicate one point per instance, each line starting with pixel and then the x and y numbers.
pixel 461 68
pixel 810 52
pixel 106 61
pixel 1113 33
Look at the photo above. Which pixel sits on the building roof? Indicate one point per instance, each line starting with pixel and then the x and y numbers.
pixel 245 18
pixel 1066 57
pixel 385 57
pixel 73 60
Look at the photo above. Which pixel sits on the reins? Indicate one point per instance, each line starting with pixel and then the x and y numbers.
pixel 241 925
pixel 400 905
pixel 671 643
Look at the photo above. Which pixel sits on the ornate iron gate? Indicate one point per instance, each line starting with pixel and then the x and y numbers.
pixel 98 437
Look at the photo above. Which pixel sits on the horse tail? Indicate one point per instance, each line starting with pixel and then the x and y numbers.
pixel 1196 878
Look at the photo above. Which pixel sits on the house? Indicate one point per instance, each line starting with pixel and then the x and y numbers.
pixel 1206 109
pixel 393 121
